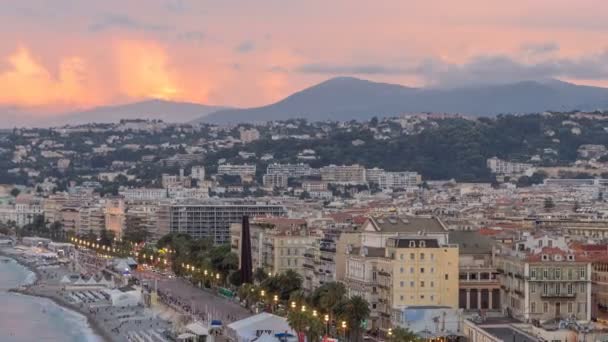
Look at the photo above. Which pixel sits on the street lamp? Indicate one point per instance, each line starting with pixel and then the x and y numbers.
pixel 276 298
pixel 314 313
pixel 326 318
pixel 293 305
pixel 390 332
pixel 303 308
pixel 344 328
pixel 262 293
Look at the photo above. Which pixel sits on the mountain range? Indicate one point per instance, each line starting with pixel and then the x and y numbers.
pixel 346 98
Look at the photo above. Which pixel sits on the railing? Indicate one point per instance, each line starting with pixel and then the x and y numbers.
pixel 326 249
pixel 557 295
pixel 308 266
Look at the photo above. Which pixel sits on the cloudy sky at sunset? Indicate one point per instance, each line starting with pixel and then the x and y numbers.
pixel 58 55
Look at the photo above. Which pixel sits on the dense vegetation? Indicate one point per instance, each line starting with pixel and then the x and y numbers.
pixel 436 148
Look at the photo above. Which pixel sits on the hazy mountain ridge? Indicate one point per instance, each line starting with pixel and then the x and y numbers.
pixel 347 98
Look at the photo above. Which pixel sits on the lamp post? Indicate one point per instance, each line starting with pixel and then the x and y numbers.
pixel 390 333
pixel 344 328
pixel 326 319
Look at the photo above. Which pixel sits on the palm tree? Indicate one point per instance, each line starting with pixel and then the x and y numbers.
pixel 328 296
pixel 297 321
pixel 404 335
pixel 355 310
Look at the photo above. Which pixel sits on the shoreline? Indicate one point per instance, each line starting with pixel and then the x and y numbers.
pixel 31 290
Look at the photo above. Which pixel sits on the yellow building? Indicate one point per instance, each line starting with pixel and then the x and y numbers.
pixel 402 262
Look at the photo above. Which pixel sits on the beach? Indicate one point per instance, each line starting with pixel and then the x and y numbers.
pixel 106 322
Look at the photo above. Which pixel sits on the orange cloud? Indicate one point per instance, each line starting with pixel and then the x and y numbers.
pixel 28 83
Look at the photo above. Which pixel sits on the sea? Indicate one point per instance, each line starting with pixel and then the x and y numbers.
pixel 33 319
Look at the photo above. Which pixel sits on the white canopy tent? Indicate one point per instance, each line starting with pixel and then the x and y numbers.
pixel 124 298
pixel 254 327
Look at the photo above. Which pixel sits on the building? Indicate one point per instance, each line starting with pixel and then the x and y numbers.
pixel 552 283
pixel 198 173
pixel 399 180
pixel 249 135
pixel 115 215
pixel 479 288
pixel 244 170
pixel 291 170
pixel 172 181
pixel 212 221
pixel 279 244
pixel 144 194
pixel 401 262
pixel 343 174
pixel 275 181
pixel 507 168
pixel 599 288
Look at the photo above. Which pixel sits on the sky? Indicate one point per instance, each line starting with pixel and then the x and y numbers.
pixel 63 55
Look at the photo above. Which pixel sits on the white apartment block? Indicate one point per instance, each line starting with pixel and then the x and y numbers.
pixel 236 170
pixel 278 180
pixel 343 174
pixel 198 173
pixel 291 170
pixel 504 167
pixel 399 180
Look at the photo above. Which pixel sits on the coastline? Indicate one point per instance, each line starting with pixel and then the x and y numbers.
pixel 33 290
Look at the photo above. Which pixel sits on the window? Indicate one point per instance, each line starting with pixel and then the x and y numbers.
pixel 432 270
pixel 422 283
pixel 432 256
pixel 411 284
pixel 546 273
pixel 582 288
pixel 432 298
pixel 411 270
pixel 545 307
pixel 421 244
pixel 282 251
pixel 432 284
pixel 545 288
pixel 570 290
pixel 412 243
pixel 421 296
pixel 288 251
pixel 421 256
pixel 532 288
pixel 569 307
pixel 288 262
pixel 412 256
pixel 446 276
pixel 401 298
pixel 558 273
pixel 401 256
pixel 373 305
pixel 401 270
pixel 533 273
pixel 401 283
pixel 550 243
pixel 581 273
pixel 533 307
pixel 421 269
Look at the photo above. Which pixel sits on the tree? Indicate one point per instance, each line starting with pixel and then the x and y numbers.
pixel 354 311
pixel 328 296
pixel 549 203
pixel 135 231
pixel 259 275
pixel 15 192
pixel 106 237
pixel 404 335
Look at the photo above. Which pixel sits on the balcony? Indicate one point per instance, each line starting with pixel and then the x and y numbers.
pixel 327 249
pixel 558 295
pixel 308 255
pixel 308 266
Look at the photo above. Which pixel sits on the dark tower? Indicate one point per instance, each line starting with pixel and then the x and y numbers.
pixel 246 263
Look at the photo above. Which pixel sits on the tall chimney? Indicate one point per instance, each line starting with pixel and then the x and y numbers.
pixel 246 263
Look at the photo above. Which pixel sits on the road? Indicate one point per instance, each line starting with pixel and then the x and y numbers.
pixel 180 294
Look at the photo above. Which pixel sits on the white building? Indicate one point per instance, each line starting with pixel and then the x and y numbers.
pixel 504 167
pixel 236 170
pixel 249 135
pixel 198 173
pixel 278 180
pixel 343 174
pixel 291 170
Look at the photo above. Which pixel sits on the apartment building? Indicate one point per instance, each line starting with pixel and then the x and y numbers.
pixel 399 180
pixel 281 244
pixel 172 181
pixel 552 283
pixel 276 180
pixel 599 288
pixel 401 262
pixel 213 221
pixel 114 211
pixel 198 173
pixel 479 288
pixel 243 170
pixel 343 174
pixel 291 170
pixel 503 167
